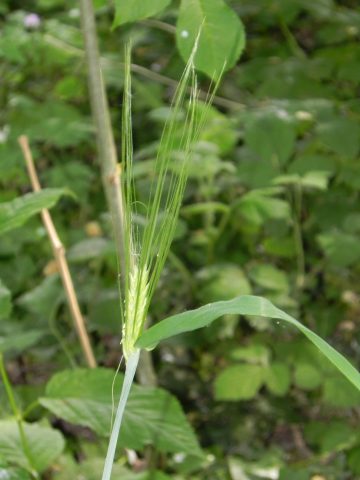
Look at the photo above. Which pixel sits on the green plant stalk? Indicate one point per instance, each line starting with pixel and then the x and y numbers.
pixel 297 209
pixel 103 129
pixel 18 416
pixel 146 251
pixel 108 161
pixel 131 366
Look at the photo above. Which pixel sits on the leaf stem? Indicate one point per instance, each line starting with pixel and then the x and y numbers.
pixel 18 416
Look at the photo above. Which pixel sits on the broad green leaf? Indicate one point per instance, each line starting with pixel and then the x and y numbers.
pixel 315 179
pixel 338 436
pixel 42 299
pixel 354 460
pixel 270 277
pixel 91 469
pixel 222 37
pixel 256 353
pixel 277 378
pixel 239 382
pixel 219 129
pixel 271 137
pixel 307 377
pixel 243 305
pixel 105 312
pixel 9 473
pixel 152 415
pixel 44 445
pixel 15 213
pixel 133 10
pixel 342 135
pixel 331 436
pixel 337 392
pixel 18 342
pixel 258 206
pixel 90 248
pixel 221 281
pixel 280 247
pixel 341 249
pixel 5 301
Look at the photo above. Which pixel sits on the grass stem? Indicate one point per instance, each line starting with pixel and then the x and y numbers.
pixel 131 366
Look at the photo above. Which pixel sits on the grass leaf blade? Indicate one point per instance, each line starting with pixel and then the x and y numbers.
pixel 243 305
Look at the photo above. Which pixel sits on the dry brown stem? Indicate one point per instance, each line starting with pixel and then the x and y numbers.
pixel 59 254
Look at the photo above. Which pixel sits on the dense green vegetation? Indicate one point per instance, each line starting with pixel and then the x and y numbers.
pixel 272 208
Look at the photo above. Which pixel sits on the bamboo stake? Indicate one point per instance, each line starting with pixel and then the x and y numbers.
pixel 59 254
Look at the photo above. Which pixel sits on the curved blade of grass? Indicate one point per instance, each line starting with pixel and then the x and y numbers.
pixel 131 366
pixel 243 305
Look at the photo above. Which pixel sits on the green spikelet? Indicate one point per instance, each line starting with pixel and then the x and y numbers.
pixel 136 306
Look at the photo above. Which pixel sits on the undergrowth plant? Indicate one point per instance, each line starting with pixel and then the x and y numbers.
pixel 147 247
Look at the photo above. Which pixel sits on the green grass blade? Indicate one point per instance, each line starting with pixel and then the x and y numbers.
pixel 243 305
pixel 131 366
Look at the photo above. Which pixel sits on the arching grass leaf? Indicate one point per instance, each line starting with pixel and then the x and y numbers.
pixel 243 305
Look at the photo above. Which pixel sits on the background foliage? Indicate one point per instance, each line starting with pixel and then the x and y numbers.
pixel 272 208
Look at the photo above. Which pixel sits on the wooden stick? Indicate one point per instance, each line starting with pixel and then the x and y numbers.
pixel 59 254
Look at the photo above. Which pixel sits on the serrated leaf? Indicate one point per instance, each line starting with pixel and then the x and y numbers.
pixel 243 305
pixel 239 382
pixel 152 415
pixel 15 213
pixel 127 11
pixel 222 38
pixel 44 445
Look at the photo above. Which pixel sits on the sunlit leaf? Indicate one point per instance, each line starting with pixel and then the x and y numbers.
pixel 222 36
